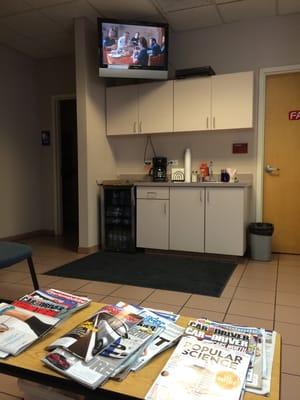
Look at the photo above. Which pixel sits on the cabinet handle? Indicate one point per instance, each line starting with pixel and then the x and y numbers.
pixel 200 196
pixel 165 209
pixel 140 126
pixel 214 122
pixel 134 127
pixel 206 122
pixel 207 195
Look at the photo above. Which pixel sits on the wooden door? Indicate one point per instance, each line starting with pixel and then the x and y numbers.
pixel 282 150
pixel 225 221
pixel 187 219
pixel 121 110
pixel 232 101
pixel 192 104
pixel 156 107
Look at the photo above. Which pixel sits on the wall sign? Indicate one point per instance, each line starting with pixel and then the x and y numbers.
pixel 294 115
pixel 239 148
pixel 45 138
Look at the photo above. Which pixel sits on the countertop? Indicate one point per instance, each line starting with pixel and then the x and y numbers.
pixel 198 184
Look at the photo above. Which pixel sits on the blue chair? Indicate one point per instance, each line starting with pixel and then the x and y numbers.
pixel 11 253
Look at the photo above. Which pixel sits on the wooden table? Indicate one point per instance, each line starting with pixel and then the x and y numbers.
pixel 27 365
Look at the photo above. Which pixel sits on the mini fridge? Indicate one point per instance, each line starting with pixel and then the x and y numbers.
pixel 118 217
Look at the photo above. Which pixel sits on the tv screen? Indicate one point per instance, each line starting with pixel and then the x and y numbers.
pixel 133 49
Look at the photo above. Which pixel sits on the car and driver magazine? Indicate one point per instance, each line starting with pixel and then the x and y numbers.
pixel 96 333
pixel 111 361
pixel 52 302
pixel 20 328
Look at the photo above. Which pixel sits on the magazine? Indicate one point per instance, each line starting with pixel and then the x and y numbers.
pixel 52 302
pixel 230 336
pixel 169 336
pixel 19 328
pixel 98 332
pixel 201 370
pixel 270 341
pixel 110 362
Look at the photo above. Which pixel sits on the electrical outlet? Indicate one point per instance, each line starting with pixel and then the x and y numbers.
pixel 173 162
pixel 147 162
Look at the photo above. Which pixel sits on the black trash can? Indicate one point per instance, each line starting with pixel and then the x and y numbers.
pixel 261 240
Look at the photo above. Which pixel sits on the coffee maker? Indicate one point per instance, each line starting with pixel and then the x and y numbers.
pixel 159 170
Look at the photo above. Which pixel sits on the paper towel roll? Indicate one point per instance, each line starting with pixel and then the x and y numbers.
pixel 187 165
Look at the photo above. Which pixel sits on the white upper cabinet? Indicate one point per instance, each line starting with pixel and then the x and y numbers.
pixel 232 101
pixel 184 105
pixel 145 108
pixel 156 107
pixel 122 110
pixel 192 105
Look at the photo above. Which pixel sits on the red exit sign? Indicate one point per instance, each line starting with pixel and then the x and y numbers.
pixel 294 115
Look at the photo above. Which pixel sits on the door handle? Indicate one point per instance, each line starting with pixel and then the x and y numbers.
pixel 140 124
pixel 200 195
pixel 269 169
pixel 165 209
pixel 134 127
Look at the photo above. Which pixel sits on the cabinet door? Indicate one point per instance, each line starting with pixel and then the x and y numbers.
pixel 232 101
pixel 152 229
pixel 156 107
pixel 187 219
pixel 225 221
pixel 121 110
pixel 192 105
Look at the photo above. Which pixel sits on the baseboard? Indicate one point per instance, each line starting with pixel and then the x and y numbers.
pixel 88 250
pixel 29 235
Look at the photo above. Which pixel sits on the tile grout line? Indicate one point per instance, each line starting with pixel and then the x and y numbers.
pixel 230 302
pixel 276 289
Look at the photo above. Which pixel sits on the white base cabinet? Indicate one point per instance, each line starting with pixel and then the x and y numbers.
pixel 187 219
pixel 210 220
pixel 225 221
pixel 152 216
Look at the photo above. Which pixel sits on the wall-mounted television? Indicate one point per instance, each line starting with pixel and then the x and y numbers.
pixel 132 49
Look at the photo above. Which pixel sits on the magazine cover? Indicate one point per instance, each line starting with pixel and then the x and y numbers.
pixel 95 334
pixel 19 328
pixel 201 370
pixel 169 336
pixel 52 302
pixel 110 362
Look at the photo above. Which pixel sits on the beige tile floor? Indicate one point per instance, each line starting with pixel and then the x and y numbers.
pixel 265 294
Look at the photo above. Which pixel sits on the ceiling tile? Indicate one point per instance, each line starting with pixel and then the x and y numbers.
pixel 32 24
pixel 57 44
pixel 247 9
pixel 226 1
pixel 65 13
pixel 193 18
pixel 46 3
pixel 124 9
pixel 288 6
pixel 9 7
pixel 176 5
pixel 20 43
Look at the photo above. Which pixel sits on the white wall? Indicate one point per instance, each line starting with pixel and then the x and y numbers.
pixel 227 48
pixel 95 158
pixel 20 199
pixel 55 77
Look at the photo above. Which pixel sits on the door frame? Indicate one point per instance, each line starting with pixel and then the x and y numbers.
pixel 56 162
pixel 263 74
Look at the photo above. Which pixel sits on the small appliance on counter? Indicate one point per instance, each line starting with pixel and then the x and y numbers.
pixel 159 169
